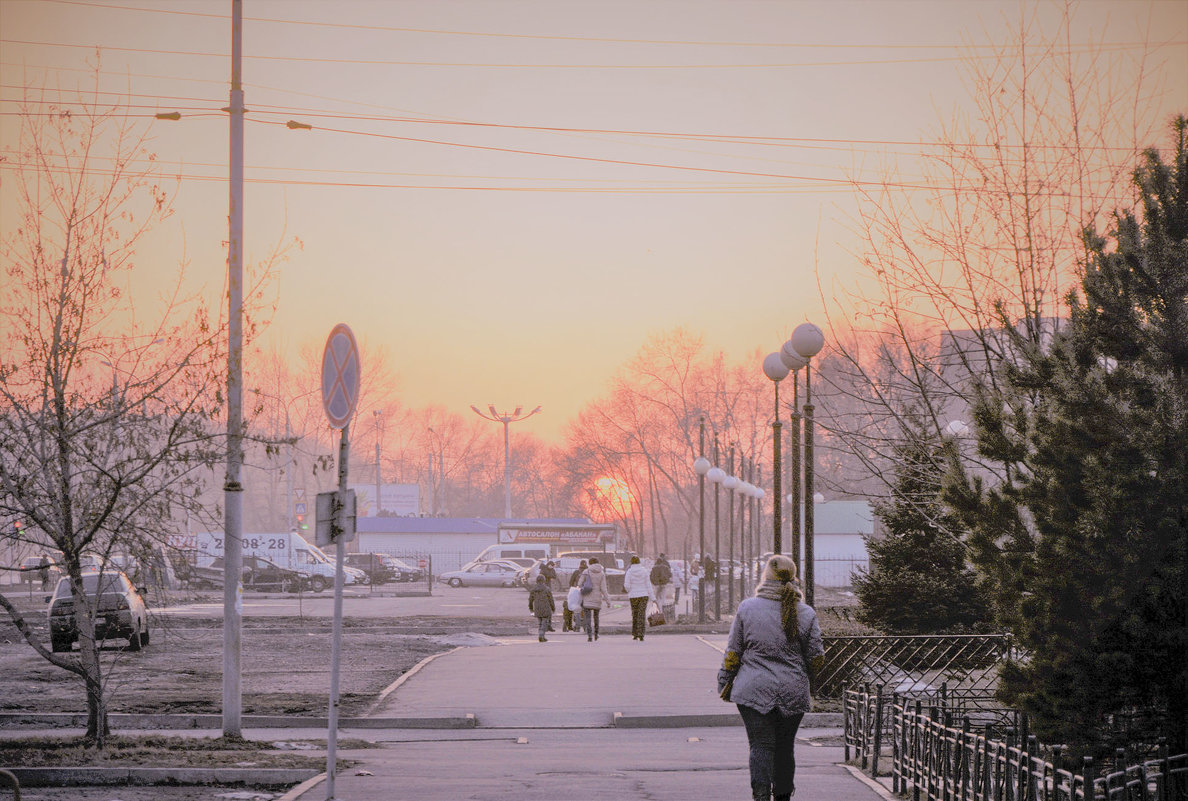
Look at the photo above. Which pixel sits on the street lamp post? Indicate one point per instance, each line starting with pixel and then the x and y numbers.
pixel 717 475
pixel 434 506
pixel 794 362
pixel 731 483
pixel 376 415
pixel 775 369
pixel 806 342
pixel 701 466
pixel 506 419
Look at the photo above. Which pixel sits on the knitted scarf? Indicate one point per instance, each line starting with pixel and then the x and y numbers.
pixel 788 594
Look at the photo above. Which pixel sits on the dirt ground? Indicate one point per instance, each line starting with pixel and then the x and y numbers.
pixel 286 669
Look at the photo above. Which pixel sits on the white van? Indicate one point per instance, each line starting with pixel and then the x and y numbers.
pixel 495 552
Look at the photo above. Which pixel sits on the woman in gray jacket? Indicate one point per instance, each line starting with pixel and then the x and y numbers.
pixel 773 648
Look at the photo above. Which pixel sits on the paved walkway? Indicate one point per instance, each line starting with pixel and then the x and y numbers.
pixel 546 729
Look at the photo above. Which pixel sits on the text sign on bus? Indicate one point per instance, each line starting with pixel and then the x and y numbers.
pixel 340 376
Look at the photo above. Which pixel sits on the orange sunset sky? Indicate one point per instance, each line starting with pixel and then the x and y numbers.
pixel 511 195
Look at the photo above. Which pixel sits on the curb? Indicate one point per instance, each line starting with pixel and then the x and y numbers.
pixel 408 674
pixel 94 777
pixel 119 721
pixel 811 720
pixel 874 784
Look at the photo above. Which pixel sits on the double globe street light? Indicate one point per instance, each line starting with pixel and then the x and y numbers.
pixel 806 342
pixel 706 470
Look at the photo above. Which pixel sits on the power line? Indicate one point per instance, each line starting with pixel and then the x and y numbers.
pixel 499 65
pixel 745 139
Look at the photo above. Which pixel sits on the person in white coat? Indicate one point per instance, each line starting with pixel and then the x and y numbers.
pixel 594 599
pixel 639 592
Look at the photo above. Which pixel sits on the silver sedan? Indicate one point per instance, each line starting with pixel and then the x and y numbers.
pixel 483 574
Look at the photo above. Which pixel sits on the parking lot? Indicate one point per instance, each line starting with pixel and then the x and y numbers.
pixel 286 649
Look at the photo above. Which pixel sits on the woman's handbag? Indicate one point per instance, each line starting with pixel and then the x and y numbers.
pixel 656 618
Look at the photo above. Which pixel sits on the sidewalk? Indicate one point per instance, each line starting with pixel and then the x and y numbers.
pixel 546 729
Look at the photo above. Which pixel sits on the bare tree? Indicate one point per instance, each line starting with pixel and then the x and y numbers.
pixel 107 433
pixel 989 230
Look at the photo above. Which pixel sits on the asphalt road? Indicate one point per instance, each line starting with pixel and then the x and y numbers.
pixel 445 601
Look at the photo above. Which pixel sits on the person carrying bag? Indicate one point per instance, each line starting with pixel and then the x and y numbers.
pixel 773 650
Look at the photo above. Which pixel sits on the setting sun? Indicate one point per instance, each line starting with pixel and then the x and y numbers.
pixel 613 495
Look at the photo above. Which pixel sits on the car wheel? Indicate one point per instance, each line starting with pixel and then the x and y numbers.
pixel 134 642
pixel 60 644
pixel 455 582
pixel 317 583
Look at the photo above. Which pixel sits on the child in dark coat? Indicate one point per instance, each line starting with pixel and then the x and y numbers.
pixel 541 604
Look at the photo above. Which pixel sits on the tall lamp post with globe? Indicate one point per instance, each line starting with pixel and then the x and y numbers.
pixel 775 369
pixel 806 342
pixel 701 466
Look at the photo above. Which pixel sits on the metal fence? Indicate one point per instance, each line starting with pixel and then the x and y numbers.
pixel 836 572
pixel 963 665
pixel 867 720
pixel 935 760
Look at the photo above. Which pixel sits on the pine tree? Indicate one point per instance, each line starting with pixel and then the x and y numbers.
pixel 919 582
pixel 1086 540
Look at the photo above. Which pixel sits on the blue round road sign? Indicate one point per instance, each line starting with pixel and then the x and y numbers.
pixel 340 376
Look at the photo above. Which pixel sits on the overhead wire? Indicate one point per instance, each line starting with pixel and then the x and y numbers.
pixel 500 65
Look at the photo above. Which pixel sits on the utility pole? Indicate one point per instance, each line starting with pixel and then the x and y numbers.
pixel 232 486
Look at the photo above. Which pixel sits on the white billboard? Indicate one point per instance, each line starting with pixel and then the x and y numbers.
pixel 395 499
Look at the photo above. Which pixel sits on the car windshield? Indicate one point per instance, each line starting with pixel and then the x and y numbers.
pixel 90 581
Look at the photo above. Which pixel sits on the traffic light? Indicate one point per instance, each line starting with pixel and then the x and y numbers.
pixel 301 524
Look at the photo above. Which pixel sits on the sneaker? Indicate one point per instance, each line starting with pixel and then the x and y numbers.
pixel 542 639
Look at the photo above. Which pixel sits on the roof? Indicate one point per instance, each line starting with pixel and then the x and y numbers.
pixel 843 517
pixel 452 525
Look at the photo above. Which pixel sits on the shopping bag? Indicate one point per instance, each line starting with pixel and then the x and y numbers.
pixel 656 618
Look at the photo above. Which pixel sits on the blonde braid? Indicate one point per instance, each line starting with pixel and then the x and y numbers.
pixel 783 569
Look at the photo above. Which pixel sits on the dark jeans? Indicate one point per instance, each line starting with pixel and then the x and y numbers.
pixel 639 614
pixel 590 621
pixel 772 738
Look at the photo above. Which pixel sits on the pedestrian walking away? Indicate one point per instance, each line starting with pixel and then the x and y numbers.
pixel 572 616
pixel 550 574
pixel 773 650
pixel 662 588
pixel 595 595
pixel 541 604
pixel 577 574
pixel 639 591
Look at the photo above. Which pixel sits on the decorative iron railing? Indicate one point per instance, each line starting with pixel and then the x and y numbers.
pixel 934 760
pixel 966 665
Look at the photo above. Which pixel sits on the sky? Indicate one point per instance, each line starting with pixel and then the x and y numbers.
pixel 510 196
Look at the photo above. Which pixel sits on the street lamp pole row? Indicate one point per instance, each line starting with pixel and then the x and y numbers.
pixel 720 478
pixel 806 342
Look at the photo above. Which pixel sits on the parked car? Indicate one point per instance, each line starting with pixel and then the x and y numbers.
pixel 261 575
pixel 120 611
pixel 404 570
pixel 373 565
pixel 380 568
pixel 483 574
pixel 613 562
pixel 32 568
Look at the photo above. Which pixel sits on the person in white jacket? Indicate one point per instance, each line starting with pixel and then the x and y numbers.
pixel 639 591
